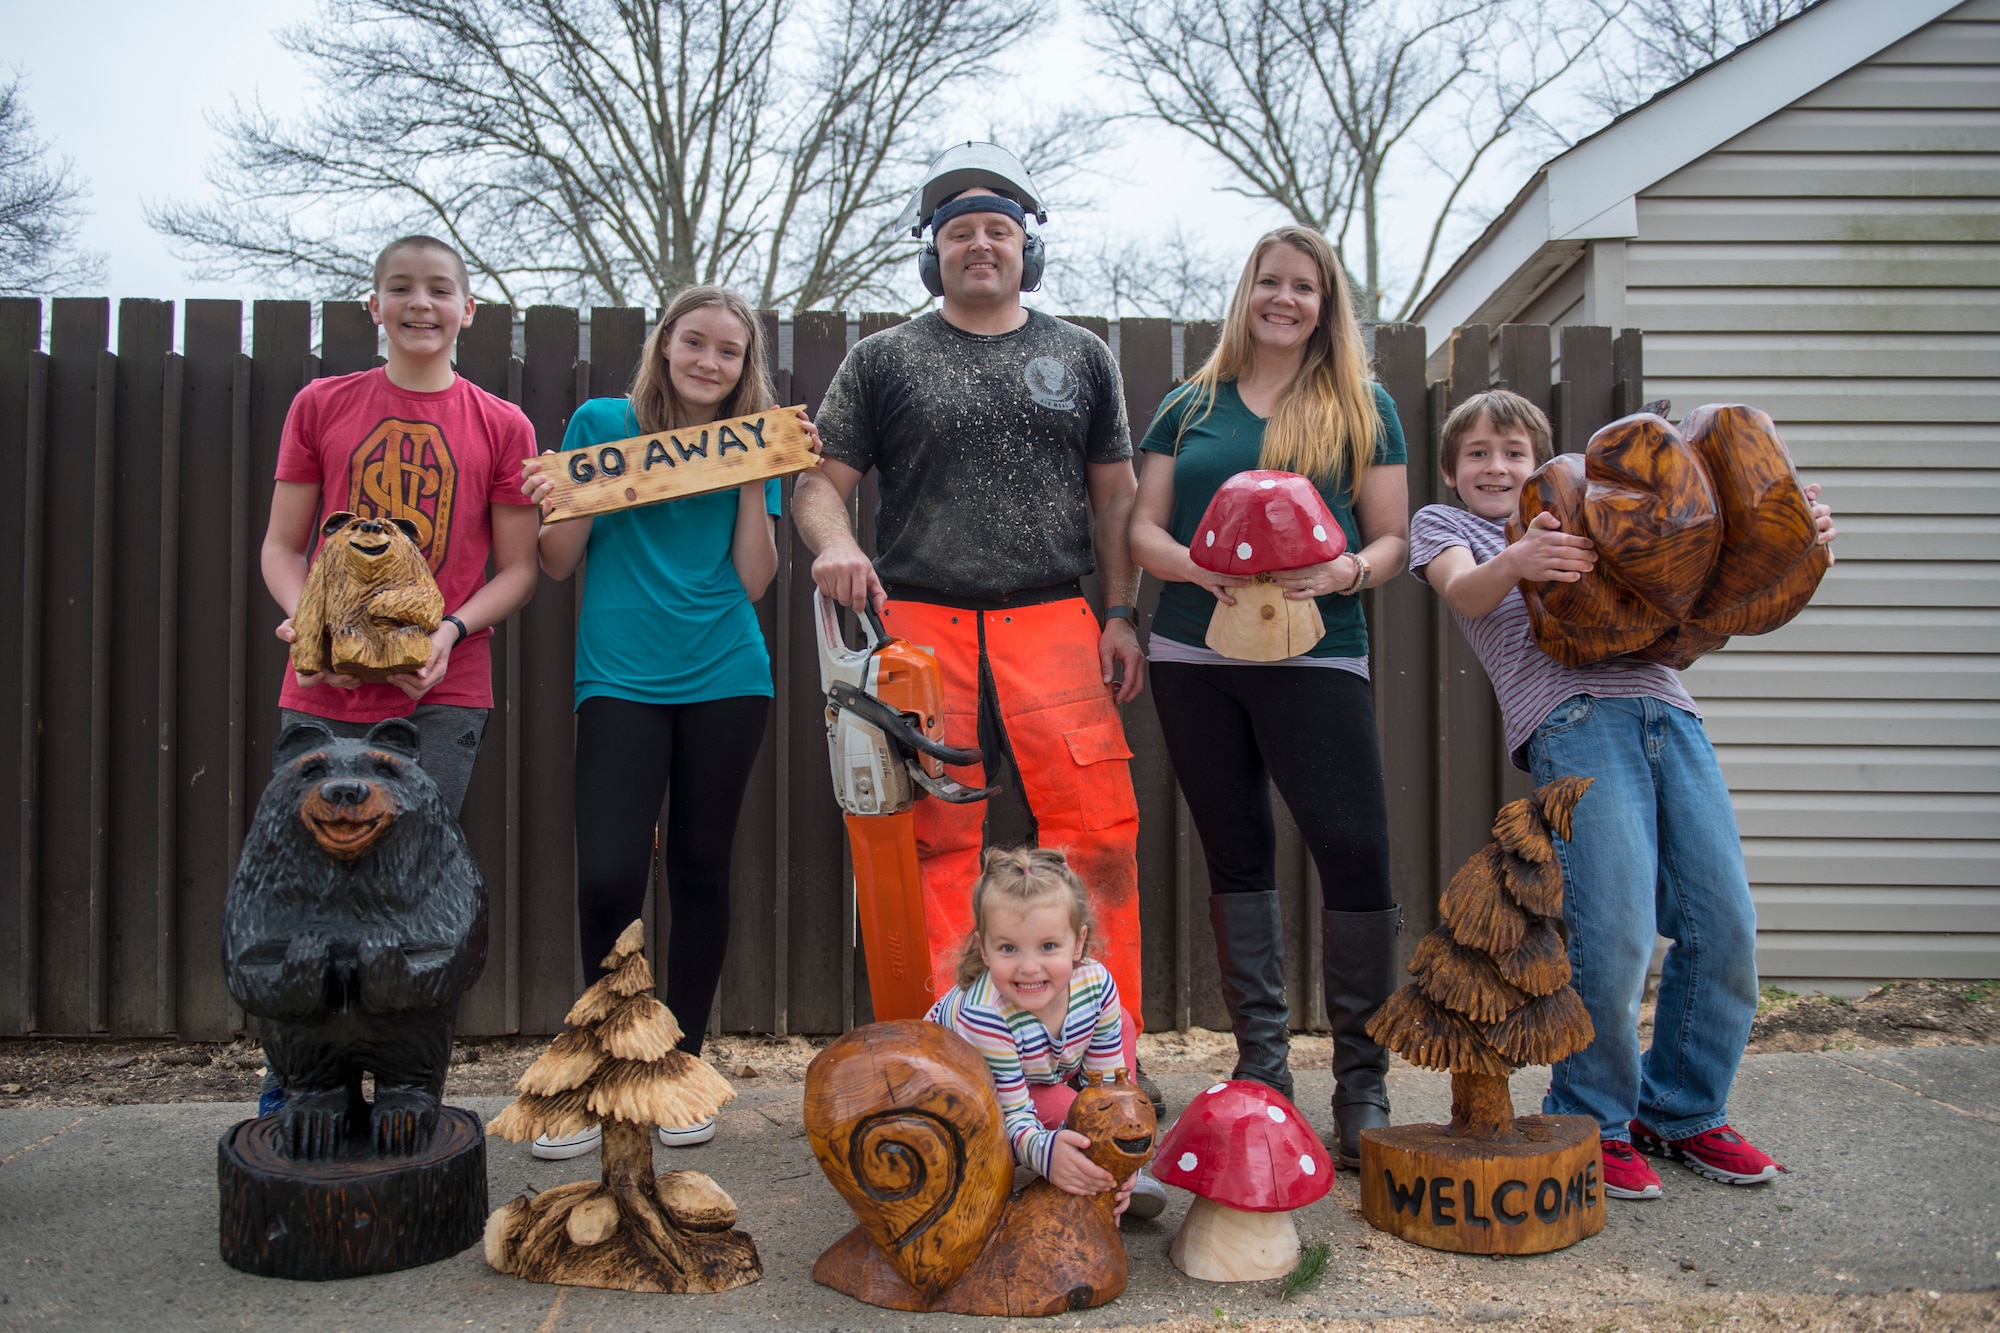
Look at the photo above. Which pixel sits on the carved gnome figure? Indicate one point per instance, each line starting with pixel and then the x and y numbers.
pixel 629 1230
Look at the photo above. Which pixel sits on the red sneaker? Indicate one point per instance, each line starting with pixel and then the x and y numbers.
pixel 1626 1174
pixel 1720 1154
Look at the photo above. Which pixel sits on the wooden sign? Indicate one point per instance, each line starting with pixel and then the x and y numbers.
pixel 1433 1186
pixel 674 464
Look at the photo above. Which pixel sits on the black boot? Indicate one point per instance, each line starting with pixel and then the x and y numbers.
pixel 1359 960
pixel 1250 953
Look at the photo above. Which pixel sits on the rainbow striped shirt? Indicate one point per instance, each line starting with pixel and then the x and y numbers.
pixel 1020 1051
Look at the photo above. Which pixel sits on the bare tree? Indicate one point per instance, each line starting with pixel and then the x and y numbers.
pixel 1662 42
pixel 41 210
pixel 1312 104
pixel 609 150
pixel 1172 276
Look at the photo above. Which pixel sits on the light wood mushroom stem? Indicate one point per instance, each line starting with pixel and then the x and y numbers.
pixel 1217 1243
pixel 1482 1107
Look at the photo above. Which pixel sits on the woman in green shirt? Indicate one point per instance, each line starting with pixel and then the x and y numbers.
pixel 1287 388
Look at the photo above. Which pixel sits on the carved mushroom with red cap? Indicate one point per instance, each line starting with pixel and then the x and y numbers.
pixel 1250 1159
pixel 1258 522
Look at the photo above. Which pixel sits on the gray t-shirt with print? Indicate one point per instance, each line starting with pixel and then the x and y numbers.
pixel 982 444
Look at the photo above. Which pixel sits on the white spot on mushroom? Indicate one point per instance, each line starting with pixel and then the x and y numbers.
pixel 1187 1162
pixel 1277 1116
pixel 1220 1087
pixel 1319 532
pixel 1243 550
pixel 1267 485
pixel 1211 536
pixel 1307 1165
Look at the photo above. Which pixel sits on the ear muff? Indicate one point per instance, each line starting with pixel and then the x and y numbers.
pixel 1034 258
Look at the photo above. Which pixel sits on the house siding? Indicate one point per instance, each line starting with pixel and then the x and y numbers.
pixel 1838 265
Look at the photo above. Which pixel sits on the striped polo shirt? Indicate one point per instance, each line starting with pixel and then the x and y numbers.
pixel 1020 1051
pixel 1528 681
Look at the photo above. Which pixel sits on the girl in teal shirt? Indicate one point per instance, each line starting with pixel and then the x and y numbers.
pixel 673 681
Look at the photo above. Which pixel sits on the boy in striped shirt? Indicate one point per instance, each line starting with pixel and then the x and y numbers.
pixel 1042 1013
pixel 1654 849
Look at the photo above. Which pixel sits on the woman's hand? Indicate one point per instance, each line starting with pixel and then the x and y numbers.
pixel 1823 528
pixel 1307 581
pixel 1070 1167
pixel 1217 584
pixel 812 431
pixel 536 483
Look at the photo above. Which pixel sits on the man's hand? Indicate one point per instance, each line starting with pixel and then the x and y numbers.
pixel 846 574
pixel 307 679
pixel 1118 643
pixel 1070 1168
pixel 1547 554
pixel 418 683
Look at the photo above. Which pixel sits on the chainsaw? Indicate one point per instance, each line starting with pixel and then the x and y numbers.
pixel 884 729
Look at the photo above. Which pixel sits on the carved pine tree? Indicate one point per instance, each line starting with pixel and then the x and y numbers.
pixel 617 1065
pixel 1492 985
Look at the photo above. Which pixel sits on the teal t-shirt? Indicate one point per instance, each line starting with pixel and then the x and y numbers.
pixel 664 617
pixel 1223 443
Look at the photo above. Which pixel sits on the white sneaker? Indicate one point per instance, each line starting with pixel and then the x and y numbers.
pixel 687 1136
pixel 1149 1198
pixel 568 1145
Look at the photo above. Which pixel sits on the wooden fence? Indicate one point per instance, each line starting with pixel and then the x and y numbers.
pixel 139 676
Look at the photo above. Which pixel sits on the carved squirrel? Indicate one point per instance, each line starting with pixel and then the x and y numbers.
pixel 928 1173
pixel 370 604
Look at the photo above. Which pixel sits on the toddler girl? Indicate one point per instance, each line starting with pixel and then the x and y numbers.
pixel 1042 1011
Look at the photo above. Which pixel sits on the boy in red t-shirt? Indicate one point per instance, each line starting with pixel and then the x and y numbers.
pixel 411 440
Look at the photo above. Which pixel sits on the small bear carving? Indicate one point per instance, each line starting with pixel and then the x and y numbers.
pixel 356 919
pixel 370 604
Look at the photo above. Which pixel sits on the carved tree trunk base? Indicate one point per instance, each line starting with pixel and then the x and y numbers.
pixel 615 1232
pixel 1434 1187
pixel 354 1214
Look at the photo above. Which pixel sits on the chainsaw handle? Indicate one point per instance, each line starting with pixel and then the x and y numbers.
pixel 872 626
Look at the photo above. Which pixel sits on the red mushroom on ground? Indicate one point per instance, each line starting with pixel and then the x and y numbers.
pixel 1250 1158
pixel 1258 522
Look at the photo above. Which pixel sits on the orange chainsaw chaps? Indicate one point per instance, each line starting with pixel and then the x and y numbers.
pixel 889 900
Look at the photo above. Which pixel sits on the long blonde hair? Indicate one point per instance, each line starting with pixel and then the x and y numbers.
pixel 1326 422
pixel 655 405
pixel 1024 878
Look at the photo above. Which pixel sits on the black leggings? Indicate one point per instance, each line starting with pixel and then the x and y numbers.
pixel 1233 730
pixel 628 757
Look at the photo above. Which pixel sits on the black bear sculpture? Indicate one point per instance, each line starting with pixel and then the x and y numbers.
pixel 356 919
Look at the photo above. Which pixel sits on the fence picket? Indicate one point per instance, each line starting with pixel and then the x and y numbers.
pixel 135 641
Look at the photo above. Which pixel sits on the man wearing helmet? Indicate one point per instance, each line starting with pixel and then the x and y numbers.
pixel 1000 440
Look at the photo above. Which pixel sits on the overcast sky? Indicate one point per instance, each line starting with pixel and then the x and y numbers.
pixel 126 89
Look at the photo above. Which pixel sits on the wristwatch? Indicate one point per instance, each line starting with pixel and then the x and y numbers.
pixel 462 631
pixel 1125 613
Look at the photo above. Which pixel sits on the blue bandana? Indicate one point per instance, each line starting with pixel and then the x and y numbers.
pixel 962 204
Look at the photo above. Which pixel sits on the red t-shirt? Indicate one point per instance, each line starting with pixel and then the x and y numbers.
pixel 437 459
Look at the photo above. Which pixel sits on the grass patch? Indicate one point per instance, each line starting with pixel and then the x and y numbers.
pixel 1312 1267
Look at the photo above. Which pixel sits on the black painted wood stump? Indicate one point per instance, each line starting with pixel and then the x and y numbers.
pixel 354 1213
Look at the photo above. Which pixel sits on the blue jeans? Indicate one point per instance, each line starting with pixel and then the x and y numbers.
pixel 1654 850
